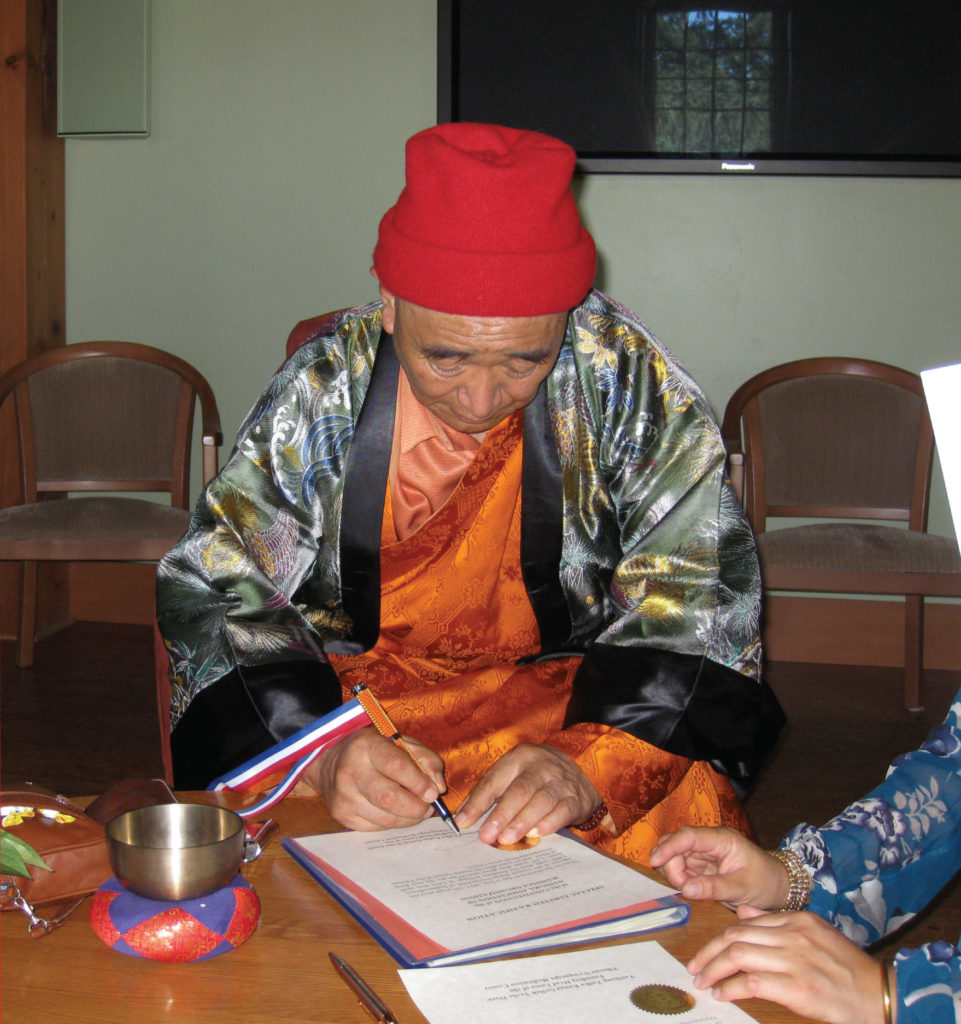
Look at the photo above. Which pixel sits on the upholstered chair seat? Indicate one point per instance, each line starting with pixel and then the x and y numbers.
pixel 80 529
pixel 856 547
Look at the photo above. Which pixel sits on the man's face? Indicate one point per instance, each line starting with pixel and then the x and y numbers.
pixel 472 372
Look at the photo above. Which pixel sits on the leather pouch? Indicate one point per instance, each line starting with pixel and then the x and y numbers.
pixel 72 842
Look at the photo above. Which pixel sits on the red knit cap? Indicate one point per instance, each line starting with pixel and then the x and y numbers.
pixel 487 225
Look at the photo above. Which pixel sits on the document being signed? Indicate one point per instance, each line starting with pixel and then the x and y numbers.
pixel 629 984
pixel 431 897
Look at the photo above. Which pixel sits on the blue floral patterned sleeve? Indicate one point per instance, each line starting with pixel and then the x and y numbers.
pixel 886 856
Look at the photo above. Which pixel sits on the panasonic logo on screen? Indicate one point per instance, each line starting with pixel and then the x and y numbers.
pixel 747 166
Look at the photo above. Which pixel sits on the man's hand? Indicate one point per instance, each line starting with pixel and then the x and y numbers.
pixel 370 784
pixel 721 864
pixel 536 789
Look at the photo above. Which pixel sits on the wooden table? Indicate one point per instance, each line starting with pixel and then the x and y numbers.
pixel 281 974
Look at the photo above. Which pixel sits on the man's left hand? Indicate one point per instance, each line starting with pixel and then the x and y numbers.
pixel 534 790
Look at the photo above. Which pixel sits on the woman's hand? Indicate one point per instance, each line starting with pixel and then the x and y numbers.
pixel 797 960
pixel 536 789
pixel 721 864
pixel 369 783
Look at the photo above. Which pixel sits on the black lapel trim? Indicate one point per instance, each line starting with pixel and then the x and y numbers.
pixel 542 525
pixel 685 704
pixel 362 512
pixel 244 713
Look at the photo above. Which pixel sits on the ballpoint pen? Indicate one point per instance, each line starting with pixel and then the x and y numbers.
pixel 388 730
pixel 366 996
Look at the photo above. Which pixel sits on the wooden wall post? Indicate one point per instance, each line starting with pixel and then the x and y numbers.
pixel 32 290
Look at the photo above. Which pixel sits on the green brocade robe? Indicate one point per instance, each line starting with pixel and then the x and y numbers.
pixel 635 551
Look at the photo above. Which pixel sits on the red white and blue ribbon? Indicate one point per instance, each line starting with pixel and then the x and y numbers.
pixel 294 753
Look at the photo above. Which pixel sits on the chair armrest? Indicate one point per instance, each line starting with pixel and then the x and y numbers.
pixel 212 439
pixel 212 436
pixel 735 470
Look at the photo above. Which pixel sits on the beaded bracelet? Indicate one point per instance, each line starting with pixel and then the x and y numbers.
pixel 799 881
pixel 594 820
pixel 886 995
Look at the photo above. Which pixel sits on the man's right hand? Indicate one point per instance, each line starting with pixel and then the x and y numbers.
pixel 368 783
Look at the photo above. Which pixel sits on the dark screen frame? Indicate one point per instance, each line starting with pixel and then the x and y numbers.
pixel 448 71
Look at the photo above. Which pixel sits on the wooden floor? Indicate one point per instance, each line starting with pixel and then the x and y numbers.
pixel 84 716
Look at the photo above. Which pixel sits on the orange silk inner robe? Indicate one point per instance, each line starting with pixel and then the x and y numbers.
pixel 455 619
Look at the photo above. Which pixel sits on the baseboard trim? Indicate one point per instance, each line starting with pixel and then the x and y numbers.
pixel 113 592
pixel 852 631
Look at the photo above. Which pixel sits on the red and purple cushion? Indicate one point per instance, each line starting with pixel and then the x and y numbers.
pixel 175 932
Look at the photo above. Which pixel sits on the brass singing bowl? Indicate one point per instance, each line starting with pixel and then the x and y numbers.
pixel 178 851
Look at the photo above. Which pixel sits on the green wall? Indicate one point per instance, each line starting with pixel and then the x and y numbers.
pixel 277 143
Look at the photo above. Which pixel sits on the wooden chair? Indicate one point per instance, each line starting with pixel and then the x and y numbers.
pixel 103 417
pixel 836 440
pixel 311 328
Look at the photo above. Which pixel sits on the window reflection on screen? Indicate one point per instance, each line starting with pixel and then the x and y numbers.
pixel 713 81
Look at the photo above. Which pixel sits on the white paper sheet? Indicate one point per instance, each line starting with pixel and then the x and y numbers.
pixel 587 985
pixel 942 388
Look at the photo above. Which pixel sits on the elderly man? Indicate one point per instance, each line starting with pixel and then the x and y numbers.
pixel 500 503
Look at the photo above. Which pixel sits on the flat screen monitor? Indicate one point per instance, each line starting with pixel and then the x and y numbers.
pixel 778 87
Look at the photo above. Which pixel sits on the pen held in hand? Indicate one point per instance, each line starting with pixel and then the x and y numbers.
pixel 366 996
pixel 382 723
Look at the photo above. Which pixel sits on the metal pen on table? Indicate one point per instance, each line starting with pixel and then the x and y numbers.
pixel 388 730
pixel 366 996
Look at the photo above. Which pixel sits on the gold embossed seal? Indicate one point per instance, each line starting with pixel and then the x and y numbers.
pixel 664 999
pixel 524 843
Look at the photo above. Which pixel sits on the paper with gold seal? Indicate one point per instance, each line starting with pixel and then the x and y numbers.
pixel 638 983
